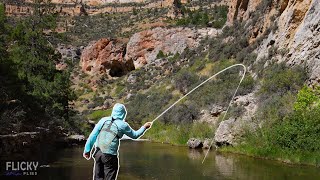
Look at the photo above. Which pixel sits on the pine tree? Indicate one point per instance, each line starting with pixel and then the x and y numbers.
pixel 34 61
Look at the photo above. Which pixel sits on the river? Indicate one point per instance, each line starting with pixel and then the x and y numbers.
pixel 146 160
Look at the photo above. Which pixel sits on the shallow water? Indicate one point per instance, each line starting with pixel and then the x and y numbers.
pixel 145 160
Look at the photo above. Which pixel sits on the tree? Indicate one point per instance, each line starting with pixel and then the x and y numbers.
pixel 34 61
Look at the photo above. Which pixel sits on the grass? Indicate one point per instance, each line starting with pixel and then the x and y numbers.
pixel 178 134
pixel 275 153
pixel 98 114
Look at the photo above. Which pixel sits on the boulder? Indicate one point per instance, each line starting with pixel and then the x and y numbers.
pixel 132 78
pixel 108 102
pixel 105 56
pixel 224 135
pixel 194 143
pixel 76 137
pixel 216 110
pixel 207 143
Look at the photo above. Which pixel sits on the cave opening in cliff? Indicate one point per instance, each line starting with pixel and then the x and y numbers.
pixel 116 70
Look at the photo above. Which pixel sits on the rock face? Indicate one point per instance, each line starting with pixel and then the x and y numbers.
pixel 305 46
pixel 229 131
pixel 194 143
pixel 143 47
pixel 297 33
pixel 77 7
pixel 240 9
pixel 114 58
pixel 105 57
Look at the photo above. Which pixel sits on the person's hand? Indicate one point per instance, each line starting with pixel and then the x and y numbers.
pixel 147 125
pixel 86 155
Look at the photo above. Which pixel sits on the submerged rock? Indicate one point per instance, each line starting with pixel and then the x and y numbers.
pixel 194 143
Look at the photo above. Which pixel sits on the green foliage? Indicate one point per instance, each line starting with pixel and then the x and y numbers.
pixel 307 98
pixel 279 86
pixel 30 75
pixel 216 17
pixel 147 106
pixel 301 129
pixel 34 61
pixel 247 85
pixel 183 113
pixel 184 81
pixel 279 79
pixel 236 48
pixel 178 134
pixel 161 55
pixel 294 137
pixel 98 114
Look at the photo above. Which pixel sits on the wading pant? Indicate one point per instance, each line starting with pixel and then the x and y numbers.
pixel 106 166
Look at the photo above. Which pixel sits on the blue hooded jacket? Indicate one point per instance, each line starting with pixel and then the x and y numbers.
pixel 118 113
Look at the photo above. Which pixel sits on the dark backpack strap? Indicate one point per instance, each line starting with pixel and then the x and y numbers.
pixel 108 129
pixel 102 126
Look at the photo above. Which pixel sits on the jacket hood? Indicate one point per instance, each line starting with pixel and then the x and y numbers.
pixel 119 111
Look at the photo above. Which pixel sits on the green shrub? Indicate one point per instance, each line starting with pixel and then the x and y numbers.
pixel 98 114
pixel 178 134
pixel 161 55
pixel 183 113
pixel 293 137
pixel 147 106
pixel 279 79
pixel 200 17
pixel 184 81
pixel 301 129
pixel 247 85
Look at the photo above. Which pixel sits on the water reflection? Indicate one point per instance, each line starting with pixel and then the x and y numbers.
pixel 195 154
pixel 145 160
pixel 225 165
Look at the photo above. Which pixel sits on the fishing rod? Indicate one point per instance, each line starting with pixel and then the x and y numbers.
pixel 213 76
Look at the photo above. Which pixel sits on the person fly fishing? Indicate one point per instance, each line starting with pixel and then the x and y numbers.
pixel 106 137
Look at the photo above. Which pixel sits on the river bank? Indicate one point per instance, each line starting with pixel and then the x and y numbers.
pixel 34 144
pixel 277 154
pixel 179 136
pixel 283 156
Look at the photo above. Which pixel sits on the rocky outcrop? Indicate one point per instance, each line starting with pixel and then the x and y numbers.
pixel 143 47
pixel 216 110
pixel 69 54
pixel 230 131
pixel 105 56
